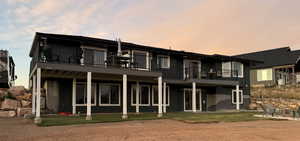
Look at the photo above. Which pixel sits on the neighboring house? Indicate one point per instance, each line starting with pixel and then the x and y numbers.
pixel 83 74
pixel 7 70
pixel 280 66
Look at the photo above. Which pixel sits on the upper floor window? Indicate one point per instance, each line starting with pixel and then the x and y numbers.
pixel 232 69
pixel 141 59
pixel 264 74
pixel 238 69
pixel 94 56
pixel 163 61
pixel 99 57
pixel 192 69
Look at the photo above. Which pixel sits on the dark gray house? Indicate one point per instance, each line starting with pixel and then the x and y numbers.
pixel 89 75
pixel 7 70
pixel 279 66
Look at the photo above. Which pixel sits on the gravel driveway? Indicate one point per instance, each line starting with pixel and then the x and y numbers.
pixel 164 130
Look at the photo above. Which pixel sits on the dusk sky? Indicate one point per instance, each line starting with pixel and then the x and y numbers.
pixel 205 26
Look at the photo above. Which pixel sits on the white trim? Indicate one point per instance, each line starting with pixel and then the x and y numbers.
pixel 242 96
pixel 200 100
pixel 100 94
pixel 33 94
pixel 168 63
pixel 140 102
pixel 147 59
pixel 124 98
pixel 168 95
pixel 74 96
pixel 85 89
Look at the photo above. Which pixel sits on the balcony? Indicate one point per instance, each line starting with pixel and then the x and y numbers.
pixel 195 73
pixel 113 64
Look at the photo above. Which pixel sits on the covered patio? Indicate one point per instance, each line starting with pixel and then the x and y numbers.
pixel 43 71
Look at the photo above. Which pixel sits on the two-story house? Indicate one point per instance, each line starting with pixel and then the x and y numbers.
pixel 7 70
pixel 89 75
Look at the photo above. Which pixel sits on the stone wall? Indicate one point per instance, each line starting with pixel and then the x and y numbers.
pixel 15 101
pixel 284 97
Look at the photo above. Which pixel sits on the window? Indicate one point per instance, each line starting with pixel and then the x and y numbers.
pixel 155 96
pixel 81 94
pixel 237 69
pixel 234 68
pixel 233 96
pixel 264 75
pixel 163 61
pixel 226 69
pixel 144 95
pixel 99 57
pixel 141 60
pixel 192 69
pixel 109 95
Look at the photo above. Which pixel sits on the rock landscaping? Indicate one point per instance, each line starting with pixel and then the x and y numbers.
pixel 15 101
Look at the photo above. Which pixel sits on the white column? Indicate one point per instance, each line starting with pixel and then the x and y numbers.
pixel 74 96
pixel 159 97
pixel 38 97
pixel 33 93
pixel 165 98
pixel 124 115
pixel 89 96
pixel 194 97
pixel 237 97
pixel 137 96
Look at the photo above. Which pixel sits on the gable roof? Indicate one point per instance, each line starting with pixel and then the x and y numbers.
pixel 97 41
pixel 273 57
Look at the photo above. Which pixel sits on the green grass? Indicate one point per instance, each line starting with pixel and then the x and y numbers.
pixel 57 120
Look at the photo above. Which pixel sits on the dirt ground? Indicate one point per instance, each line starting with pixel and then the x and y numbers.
pixel 164 130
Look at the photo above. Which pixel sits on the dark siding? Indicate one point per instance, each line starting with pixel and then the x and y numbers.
pixel 65 95
pixel 176 67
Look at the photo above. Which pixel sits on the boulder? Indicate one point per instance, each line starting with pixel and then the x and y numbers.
pixel 10 104
pixel 23 111
pixel 7 113
pixel 25 104
pixel 17 91
pixel 252 106
pixel 26 96
pixel 3 92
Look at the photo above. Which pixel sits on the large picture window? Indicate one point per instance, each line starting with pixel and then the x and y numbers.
pixel 81 94
pixel 109 95
pixel 141 60
pixel 163 61
pixel 233 96
pixel 264 75
pixel 144 95
pixel 155 96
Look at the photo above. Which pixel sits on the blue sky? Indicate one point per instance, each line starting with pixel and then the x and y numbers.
pixel 205 26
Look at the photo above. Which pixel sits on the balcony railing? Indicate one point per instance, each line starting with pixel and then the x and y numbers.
pixel 112 61
pixel 195 73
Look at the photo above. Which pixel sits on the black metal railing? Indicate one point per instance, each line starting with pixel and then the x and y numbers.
pixel 196 73
pixel 112 60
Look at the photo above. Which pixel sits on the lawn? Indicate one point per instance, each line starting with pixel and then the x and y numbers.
pixel 57 120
